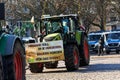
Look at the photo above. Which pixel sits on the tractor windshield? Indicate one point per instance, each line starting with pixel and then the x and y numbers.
pixel 53 26
pixel 63 25
pixel 56 25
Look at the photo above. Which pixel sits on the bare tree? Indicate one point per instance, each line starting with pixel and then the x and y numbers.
pixel 96 12
pixel 92 12
pixel 116 5
pixel 87 12
pixel 100 21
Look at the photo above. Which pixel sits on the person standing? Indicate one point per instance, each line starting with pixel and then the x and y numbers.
pixel 101 46
pixel 66 28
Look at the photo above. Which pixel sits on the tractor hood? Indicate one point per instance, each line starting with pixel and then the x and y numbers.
pixel 53 37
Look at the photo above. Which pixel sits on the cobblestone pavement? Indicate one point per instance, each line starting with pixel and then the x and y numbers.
pixel 105 67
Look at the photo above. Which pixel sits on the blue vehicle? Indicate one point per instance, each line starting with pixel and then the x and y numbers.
pixel 113 42
pixel 93 40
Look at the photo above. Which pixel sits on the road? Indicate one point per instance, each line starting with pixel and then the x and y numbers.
pixel 105 67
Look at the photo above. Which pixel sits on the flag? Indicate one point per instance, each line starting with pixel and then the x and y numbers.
pixel 32 20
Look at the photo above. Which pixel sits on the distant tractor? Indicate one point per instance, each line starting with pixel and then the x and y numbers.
pixel 61 39
pixel 12 56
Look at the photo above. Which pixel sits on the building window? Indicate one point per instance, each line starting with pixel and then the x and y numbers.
pixel 113 18
pixel 114 27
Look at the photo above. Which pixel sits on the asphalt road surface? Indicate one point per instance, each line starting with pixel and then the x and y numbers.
pixel 105 67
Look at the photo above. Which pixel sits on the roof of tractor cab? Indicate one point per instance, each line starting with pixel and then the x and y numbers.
pixel 58 16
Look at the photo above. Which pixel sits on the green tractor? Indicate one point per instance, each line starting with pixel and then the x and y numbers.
pixel 60 39
pixel 12 56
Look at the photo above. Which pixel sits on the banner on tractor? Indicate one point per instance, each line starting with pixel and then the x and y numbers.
pixel 44 51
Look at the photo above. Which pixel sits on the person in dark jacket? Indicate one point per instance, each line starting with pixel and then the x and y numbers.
pixel 101 46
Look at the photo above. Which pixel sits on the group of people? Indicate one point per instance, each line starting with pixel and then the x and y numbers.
pixel 7 29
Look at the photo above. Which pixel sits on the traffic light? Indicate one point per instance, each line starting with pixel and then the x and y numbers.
pixel 2 11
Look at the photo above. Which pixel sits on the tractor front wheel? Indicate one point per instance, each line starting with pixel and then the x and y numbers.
pixel 71 57
pixel 36 67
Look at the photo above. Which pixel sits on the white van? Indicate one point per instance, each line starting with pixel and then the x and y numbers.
pixel 93 39
pixel 113 42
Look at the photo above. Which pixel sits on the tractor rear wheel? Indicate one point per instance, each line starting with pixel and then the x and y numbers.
pixel 84 52
pixel 36 67
pixel 51 64
pixel 14 65
pixel 71 57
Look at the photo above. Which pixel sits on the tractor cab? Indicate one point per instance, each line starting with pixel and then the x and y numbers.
pixel 65 25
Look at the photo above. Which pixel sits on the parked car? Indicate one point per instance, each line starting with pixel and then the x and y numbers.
pixel 113 42
pixel 93 40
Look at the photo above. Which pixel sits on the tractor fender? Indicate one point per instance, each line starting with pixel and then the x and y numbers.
pixel 83 35
pixel 7 42
pixel 78 36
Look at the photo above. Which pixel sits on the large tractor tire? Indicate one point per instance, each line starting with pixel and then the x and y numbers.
pixel 51 64
pixel 36 67
pixel 71 57
pixel 84 52
pixel 14 65
pixel 1 69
